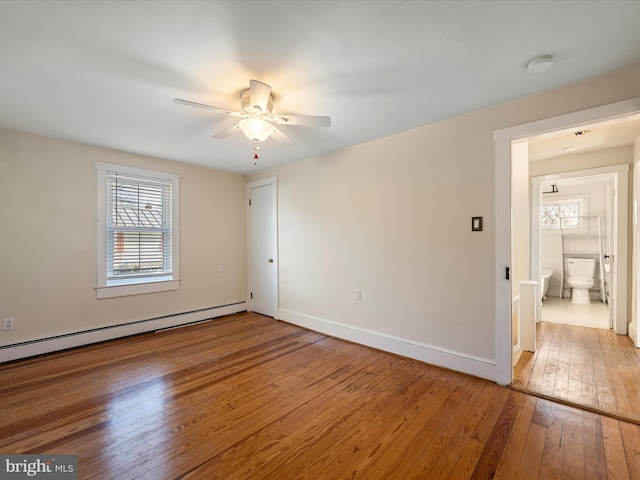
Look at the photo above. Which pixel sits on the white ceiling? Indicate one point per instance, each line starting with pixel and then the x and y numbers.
pixel 105 73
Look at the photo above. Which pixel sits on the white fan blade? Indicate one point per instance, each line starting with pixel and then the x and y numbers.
pixel 180 101
pixel 259 94
pixel 281 138
pixel 302 120
pixel 227 133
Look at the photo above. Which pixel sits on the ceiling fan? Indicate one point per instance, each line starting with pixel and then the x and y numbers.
pixel 257 116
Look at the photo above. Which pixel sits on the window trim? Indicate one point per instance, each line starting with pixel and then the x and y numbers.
pixel 140 285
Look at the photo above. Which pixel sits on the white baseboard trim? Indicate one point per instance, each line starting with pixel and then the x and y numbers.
pixel 473 365
pixel 77 339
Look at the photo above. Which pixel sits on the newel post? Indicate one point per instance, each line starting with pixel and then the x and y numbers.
pixel 529 311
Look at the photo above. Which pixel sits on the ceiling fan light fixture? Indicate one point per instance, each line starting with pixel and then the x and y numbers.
pixel 256 129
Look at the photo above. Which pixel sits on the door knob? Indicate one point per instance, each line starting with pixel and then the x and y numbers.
pixel 270 260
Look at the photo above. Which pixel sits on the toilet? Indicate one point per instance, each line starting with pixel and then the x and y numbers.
pixel 581 272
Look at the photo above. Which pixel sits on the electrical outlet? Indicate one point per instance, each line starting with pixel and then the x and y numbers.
pixel 8 324
pixel 358 294
pixel 220 268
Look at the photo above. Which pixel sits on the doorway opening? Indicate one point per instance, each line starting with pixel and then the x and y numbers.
pixel 579 239
pixel 505 139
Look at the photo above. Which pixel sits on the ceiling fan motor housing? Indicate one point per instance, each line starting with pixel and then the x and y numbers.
pixel 248 108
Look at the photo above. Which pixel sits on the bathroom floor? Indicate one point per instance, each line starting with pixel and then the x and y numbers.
pixel 561 310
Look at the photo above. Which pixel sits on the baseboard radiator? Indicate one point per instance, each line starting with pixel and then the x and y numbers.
pixel 86 337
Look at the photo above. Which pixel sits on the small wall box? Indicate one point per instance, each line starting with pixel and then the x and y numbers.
pixel 476 224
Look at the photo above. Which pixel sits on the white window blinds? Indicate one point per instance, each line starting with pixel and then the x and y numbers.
pixel 139 226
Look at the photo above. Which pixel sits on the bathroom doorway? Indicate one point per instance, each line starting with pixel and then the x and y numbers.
pixel 506 214
pixel 581 216
pixel 576 220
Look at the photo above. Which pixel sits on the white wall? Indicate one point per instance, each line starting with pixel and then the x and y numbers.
pixel 393 217
pixel 48 238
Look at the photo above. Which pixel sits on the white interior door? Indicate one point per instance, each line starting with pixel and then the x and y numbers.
pixel 263 246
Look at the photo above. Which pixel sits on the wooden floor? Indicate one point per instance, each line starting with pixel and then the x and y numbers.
pixel 587 366
pixel 248 397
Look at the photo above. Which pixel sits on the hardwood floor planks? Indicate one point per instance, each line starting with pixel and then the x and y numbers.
pixel 497 442
pixel 248 397
pixel 573 460
pixel 563 365
pixel 511 462
pixel 436 415
pixel 631 440
pixel 553 453
pixel 614 450
pixel 587 374
pixel 128 399
pixel 406 445
pixel 540 364
pixel 594 457
pixel 467 459
pixel 474 429
pixel 290 431
pixel 532 459
pixel 352 443
pixel 591 367
pixel 266 399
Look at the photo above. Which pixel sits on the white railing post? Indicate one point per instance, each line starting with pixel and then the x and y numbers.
pixel 529 312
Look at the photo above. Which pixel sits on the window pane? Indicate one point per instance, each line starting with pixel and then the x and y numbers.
pixel 137 205
pixel 138 252
pixel 550 216
pixel 570 213
pixel 139 227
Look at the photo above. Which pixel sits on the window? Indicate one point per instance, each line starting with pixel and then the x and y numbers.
pixel 137 231
pixel 564 211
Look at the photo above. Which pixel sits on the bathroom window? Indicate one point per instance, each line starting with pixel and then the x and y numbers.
pixel 566 212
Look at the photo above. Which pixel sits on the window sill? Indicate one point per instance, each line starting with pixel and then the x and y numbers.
pixel 118 289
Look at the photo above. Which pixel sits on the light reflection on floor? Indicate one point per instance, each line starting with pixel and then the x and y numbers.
pixel 144 402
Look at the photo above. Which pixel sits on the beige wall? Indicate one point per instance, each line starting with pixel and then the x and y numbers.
pixel 48 238
pixel 393 217
pixel 584 161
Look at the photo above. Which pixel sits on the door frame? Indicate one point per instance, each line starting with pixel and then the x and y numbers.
pixel 620 176
pixel 250 274
pixel 502 208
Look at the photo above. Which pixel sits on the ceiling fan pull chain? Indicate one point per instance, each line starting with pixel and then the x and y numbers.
pixel 255 156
